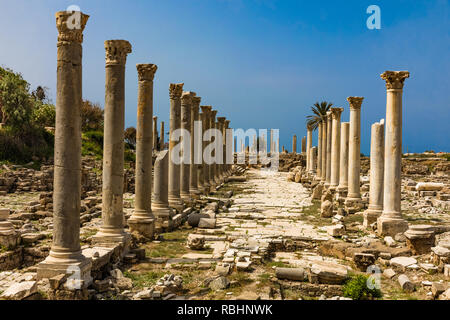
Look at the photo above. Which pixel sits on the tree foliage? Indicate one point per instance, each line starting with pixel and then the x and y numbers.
pixel 91 116
pixel 130 136
pixel 319 111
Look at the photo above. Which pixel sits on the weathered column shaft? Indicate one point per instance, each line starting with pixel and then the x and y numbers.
pixel 294 144
pixel 324 150
pixel 186 101
pixel 175 91
pixel 354 160
pixel 391 221
pixel 376 174
pixel 343 160
pixel 319 151
pixel 212 167
pixel 160 203
pixel 155 133
pixel 313 155
pixel 329 141
pixel 308 149
pixel 142 219
pixel 335 146
pixel 205 167
pixel 304 145
pixel 113 145
pixel 66 250
pixel 195 141
pixel 161 136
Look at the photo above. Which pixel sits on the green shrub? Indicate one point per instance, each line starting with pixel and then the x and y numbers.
pixel 92 144
pixel 44 114
pixel 356 288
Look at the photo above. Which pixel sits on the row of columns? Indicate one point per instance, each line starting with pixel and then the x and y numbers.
pixel 173 183
pixel 335 162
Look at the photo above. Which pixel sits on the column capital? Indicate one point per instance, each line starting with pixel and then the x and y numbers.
pixel 214 113
pixel 196 101
pixel 146 72
pixel 70 29
pixel 355 102
pixel 227 123
pixel 394 79
pixel 328 116
pixel 117 51
pixel 176 90
pixel 336 112
pixel 206 109
pixel 186 97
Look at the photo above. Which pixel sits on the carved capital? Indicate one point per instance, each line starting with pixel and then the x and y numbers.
pixel 206 109
pixel 221 120
pixel 70 25
pixel 227 123
pixel 355 102
pixel 175 90
pixel 146 72
pixel 336 113
pixel 117 51
pixel 196 102
pixel 186 97
pixel 328 116
pixel 394 79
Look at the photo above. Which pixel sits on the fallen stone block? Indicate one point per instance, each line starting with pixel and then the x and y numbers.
pixel 389 273
pixel 293 274
pixel 336 230
pixel 207 223
pixel 438 288
pixel 405 283
pixel 21 290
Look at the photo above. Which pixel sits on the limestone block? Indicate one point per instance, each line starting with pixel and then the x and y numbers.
pixel 402 262
pixel 207 223
pixel 326 209
pixel 429 186
pixel 336 230
pixel 195 242
pixel 389 273
pixel 405 283
pixel 20 290
pixel 220 283
pixel 293 274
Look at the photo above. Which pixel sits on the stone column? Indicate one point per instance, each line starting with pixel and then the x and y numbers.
pixel 304 145
pixel 328 164
pixel 160 203
pixel 335 146
pixel 155 133
pixel 294 144
pixel 194 173
pixel 228 149
pixel 308 148
pixel 221 125
pixel 217 165
pixel 205 167
pixel 376 174
pixel 353 201
pixel 142 219
pixel 212 167
pixel 112 230
pixel 175 91
pixel 324 149
pixel 313 156
pixel 319 151
pixel 65 252
pixel 391 221
pixel 186 101
pixel 161 137
pixel 343 162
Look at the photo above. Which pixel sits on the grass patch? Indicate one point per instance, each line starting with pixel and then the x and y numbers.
pixel 278 264
pixel 147 279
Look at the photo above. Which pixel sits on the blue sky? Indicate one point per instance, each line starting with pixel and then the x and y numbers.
pixel 261 63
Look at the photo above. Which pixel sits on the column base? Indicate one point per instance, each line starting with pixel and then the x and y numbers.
pixel 110 239
pixel 195 193
pixel 145 227
pixel 387 226
pixel 79 272
pixel 370 217
pixel 186 197
pixel 9 238
pixel 176 204
pixel 353 205
pixel 420 238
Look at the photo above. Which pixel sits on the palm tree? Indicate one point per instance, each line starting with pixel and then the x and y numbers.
pixel 320 111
